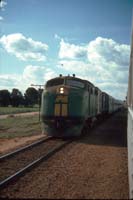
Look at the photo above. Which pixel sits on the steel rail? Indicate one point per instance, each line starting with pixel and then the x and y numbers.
pixel 30 166
pixel 5 156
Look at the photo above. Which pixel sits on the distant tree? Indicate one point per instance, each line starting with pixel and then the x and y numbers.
pixel 31 96
pixel 5 98
pixel 16 97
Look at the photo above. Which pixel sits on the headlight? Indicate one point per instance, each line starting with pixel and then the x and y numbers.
pixel 61 90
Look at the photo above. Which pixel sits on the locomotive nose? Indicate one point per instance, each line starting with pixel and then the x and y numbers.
pixel 61 102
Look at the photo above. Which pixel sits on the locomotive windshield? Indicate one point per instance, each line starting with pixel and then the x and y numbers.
pixel 54 82
pixel 75 83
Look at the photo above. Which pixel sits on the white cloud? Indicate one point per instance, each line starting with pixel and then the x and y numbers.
pixel 108 53
pixel 73 65
pixel 56 36
pixel 106 65
pixel 31 75
pixel 2 5
pixel 1 18
pixel 9 81
pixel 24 48
pixel 71 51
pixel 103 61
pixel 49 73
pixel 37 74
pixel 111 61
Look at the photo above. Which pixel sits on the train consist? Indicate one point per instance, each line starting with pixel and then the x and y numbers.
pixel 69 104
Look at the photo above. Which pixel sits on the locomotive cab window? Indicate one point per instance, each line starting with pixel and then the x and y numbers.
pixel 75 83
pixel 55 82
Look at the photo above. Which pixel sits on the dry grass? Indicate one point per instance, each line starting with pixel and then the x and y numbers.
pixel 19 127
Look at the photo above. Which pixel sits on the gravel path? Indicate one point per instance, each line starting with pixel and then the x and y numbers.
pixel 18 114
pixel 94 167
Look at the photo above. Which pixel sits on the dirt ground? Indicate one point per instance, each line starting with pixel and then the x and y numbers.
pixel 6 145
pixel 93 167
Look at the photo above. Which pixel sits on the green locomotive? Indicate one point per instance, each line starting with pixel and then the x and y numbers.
pixel 69 104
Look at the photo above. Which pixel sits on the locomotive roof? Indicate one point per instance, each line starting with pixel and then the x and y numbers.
pixel 72 77
pixel 90 83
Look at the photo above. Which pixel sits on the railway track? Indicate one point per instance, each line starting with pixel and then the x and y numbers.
pixel 13 153
pixel 15 164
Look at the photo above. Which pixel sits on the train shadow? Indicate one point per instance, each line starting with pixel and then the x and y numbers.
pixel 109 132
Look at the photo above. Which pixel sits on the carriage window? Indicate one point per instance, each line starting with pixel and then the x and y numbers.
pixel 54 82
pixel 75 83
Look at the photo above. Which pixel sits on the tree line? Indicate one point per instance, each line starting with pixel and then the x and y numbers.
pixel 15 98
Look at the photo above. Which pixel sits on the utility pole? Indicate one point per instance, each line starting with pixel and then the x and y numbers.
pixel 39 98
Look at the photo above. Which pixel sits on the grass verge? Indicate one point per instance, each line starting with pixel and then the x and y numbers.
pixel 20 127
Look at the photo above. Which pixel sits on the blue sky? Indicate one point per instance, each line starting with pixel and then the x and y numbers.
pixel 91 38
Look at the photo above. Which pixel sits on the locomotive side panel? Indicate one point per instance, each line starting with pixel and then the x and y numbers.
pixel 99 103
pixel 78 105
pixel 92 102
pixel 47 107
pixel 105 103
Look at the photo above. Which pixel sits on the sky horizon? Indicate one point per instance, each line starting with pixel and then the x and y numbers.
pixel 40 39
